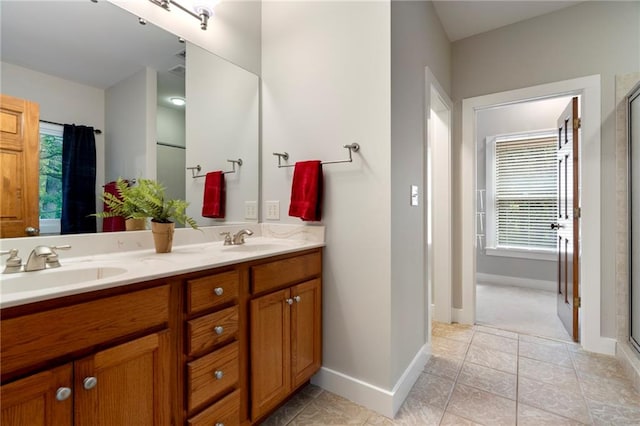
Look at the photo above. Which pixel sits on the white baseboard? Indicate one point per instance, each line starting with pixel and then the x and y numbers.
pixel 380 400
pixel 599 344
pixel 630 362
pixel 462 316
pixel 516 281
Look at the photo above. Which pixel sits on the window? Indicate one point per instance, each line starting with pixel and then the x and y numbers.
pixel 50 191
pixel 522 181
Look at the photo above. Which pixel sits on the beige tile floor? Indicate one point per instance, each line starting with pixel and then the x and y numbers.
pixel 486 376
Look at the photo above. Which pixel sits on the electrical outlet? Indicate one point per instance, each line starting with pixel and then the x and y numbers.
pixel 251 210
pixel 273 210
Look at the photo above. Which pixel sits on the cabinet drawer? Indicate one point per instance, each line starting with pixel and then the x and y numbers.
pixel 31 339
pixel 205 332
pixel 287 271
pixel 208 377
pixel 225 412
pixel 214 290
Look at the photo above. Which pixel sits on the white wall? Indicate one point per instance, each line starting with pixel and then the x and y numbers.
pixel 589 38
pixel 417 40
pixel 131 122
pixel 171 125
pixel 233 33
pixel 61 101
pixel 171 159
pixel 518 118
pixel 221 124
pixel 326 83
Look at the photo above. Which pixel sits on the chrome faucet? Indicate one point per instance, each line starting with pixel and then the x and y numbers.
pixel 14 263
pixel 239 237
pixel 43 257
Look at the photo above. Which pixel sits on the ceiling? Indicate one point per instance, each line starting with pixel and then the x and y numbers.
pixel 462 19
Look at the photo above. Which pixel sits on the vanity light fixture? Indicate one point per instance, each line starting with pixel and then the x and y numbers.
pixel 199 9
pixel 178 101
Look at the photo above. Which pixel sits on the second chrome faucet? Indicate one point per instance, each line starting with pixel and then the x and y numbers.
pixel 237 239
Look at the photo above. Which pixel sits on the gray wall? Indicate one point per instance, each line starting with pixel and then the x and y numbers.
pixel 417 40
pixel 589 38
pixel 530 116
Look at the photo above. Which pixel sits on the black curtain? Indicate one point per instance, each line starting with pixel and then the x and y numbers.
pixel 78 180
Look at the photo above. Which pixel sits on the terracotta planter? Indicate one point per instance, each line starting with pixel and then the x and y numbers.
pixel 162 236
pixel 135 224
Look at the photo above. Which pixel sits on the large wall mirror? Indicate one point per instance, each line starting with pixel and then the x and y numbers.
pixel 95 64
pixel 634 214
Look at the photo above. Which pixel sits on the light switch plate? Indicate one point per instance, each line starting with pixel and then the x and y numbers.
pixel 251 210
pixel 414 195
pixel 273 210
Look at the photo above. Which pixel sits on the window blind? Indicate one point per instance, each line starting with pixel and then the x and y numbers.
pixel 526 181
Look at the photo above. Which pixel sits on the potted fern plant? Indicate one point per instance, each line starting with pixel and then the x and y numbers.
pixel 151 199
pixel 124 204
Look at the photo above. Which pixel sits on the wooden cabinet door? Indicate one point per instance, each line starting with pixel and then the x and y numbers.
pixel 270 351
pixel 125 385
pixel 19 162
pixel 306 331
pixel 32 400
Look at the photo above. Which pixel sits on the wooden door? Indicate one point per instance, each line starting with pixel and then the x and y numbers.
pixel 19 162
pixel 44 399
pixel 568 250
pixel 306 331
pixel 125 385
pixel 270 350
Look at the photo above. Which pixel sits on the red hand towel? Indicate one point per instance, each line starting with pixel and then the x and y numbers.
pixel 116 223
pixel 306 191
pixel 214 195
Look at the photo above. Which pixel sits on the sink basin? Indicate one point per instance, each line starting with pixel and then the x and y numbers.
pixel 40 280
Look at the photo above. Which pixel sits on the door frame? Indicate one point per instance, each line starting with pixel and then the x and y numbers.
pixel 588 88
pixel 440 308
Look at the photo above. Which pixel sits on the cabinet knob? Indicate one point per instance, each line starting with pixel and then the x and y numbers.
pixel 289 301
pixel 63 393
pixel 219 374
pixel 219 424
pixel 218 329
pixel 89 382
pixel 218 291
pixel 297 299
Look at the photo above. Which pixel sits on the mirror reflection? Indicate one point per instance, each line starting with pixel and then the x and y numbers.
pixel 93 64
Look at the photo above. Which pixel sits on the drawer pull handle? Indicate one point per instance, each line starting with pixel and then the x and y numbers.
pixel 218 291
pixel 297 299
pixel 63 393
pixel 219 374
pixel 218 329
pixel 219 424
pixel 289 301
pixel 89 382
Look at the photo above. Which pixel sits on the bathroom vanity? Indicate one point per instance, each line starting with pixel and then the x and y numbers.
pixel 223 343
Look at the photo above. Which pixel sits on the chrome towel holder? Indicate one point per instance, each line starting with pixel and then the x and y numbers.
pixel 195 171
pixel 354 147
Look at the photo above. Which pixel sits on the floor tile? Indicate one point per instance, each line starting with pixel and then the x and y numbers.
pixel 294 406
pixel 452 331
pixel 599 365
pixel 542 341
pixel 548 373
pixel 448 348
pixel 453 420
pixel 414 411
pixel 559 356
pixel 376 419
pixel 331 409
pixel 488 379
pixel 491 358
pixel 531 416
pixel 482 407
pixel 498 343
pixel 609 391
pixel 432 390
pixel 443 367
pixel 553 399
pixel 606 414
pixel 496 331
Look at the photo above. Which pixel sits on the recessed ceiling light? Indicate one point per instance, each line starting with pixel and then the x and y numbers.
pixel 178 101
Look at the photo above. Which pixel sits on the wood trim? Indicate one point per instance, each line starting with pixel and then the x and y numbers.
pixel 285 272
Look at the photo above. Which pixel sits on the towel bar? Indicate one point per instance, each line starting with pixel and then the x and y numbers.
pixel 195 171
pixel 354 147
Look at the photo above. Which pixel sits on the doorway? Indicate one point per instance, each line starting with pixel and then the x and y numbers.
pixel 589 90
pixel 516 200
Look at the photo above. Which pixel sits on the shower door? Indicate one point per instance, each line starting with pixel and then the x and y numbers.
pixel 634 215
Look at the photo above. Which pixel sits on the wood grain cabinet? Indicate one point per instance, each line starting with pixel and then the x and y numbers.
pixel 124 384
pixel 285 331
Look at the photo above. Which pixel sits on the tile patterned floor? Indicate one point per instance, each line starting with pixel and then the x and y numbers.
pixel 485 376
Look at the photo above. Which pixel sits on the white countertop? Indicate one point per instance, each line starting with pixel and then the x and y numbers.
pixel 135 266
